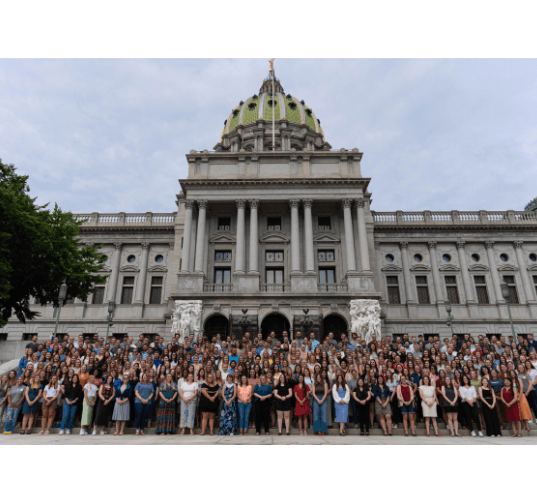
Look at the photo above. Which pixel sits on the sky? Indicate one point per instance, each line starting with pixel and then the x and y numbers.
pixel 105 135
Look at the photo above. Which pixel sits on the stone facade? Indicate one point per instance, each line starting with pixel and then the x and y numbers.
pixel 274 230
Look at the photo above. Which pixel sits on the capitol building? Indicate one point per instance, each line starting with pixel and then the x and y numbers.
pixel 275 230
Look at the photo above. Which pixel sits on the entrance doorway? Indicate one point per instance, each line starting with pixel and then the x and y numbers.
pixel 335 324
pixel 216 324
pixel 276 323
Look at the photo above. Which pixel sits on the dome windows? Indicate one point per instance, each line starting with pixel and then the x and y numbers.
pixel 235 113
pixel 271 103
pixel 251 106
pixel 241 103
pixel 255 96
pixel 302 103
pixel 289 97
pixel 292 105
pixel 309 112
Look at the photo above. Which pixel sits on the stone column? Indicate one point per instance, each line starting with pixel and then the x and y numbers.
pixel 239 260
pixel 200 235
pixel 295 236
pixel 112 283
pixel 349 235
pixel 489 245
pixel 438 287
pixel 140 289
pixel 362 235
pixel 308 233
pixel 254 238
pixel 406 273
pixel 526 280
pixel 187 233
pixel 468 287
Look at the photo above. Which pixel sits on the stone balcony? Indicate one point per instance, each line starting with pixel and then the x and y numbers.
pixel 454 218
pixel 126 219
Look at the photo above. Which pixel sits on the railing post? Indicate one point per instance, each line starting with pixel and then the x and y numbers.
pixel 511 218
pixel 121 218
pixel 483 218
pixel 149 218
pixel 399 216
pixel 455 217
pixel 427 217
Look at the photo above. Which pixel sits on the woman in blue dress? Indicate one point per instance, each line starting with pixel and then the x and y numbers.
pixel 341 395
pixel 29 409
pixel 228 416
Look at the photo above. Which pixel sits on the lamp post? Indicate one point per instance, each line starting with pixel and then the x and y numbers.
pixel 61 297
pixel 111 305
pixel 506 296
pixel 449 322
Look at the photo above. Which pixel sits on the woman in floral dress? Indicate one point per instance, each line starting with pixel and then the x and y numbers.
pixel 166 410
pixel 228 416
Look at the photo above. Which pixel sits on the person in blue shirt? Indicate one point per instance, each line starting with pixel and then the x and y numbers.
pixel 262 396
pixel 143 392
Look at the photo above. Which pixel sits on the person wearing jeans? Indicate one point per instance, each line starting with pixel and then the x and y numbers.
pixel 15 397
pixel 244 405
pixel 73 392
pixel 144 393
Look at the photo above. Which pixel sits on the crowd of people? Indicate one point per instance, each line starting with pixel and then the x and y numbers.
pixel 228 386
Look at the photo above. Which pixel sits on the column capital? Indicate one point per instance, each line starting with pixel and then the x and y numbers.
pixel 145 245
pixel 307 203
pixel 461 244
pixel 403 245
pixel 346 203
pixel 360 203
pixel 254 203
pixel 294 203
pixel 118 246
pixel 202 203
pixel 518 244
pixel 241 203
pixel 489 245
pixel 431 245
pixel 189 204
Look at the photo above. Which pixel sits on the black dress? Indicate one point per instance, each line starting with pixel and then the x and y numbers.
pixel 450 393
pixel 282 405
pixel 104 412
pixel 207 405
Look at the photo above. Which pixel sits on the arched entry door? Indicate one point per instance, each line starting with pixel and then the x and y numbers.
pixel 276 323
pixel 335 324
pixel 216 324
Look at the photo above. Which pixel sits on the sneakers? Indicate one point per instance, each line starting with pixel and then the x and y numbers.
pixel 7 433
pixel 62 432
pixel 102 432
pixel 68 432
pixel 82 432
pixel 94 432
pixel 473 433
pixel 480 433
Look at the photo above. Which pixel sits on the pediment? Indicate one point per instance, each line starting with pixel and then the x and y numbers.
pixel 274 238
pixel 449 267
pixel 130 268
pixel 420 267
pixel 326 238
pixel 158 268
pixel 478 267
pixel 392 268
pixel 507 267
pixel 223 239
pixel 105 269
pixel 532 267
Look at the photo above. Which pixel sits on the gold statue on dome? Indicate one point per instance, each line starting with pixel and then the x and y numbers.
pixel 271 62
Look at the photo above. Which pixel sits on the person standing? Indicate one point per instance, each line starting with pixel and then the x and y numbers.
pixel 342 395
pixel 509 397
pixel 320 393
pixel 4 388
pixel 209 402
pixel 428 404
pixel 383 408
pixel 361 395
pixel 166 410
pixel 469 407
pixel 262 395
pixel 188 394
pixel 122 406
pixel 302 408
pixel 72 394
pixel 32 395
pixel 244 404
pixel 50 402
pixel 451 405
pixel 405 394
pixel 228 416
pixel 90 395
pixel 105 406
pixel 143 392
pixel 490 415
pixel 15 398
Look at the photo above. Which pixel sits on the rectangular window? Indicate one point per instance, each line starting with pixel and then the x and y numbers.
pixel 274 256
pixel 325 255
pixel 324 223
pixel 222 256
pixel 274 223
pixel 224 223
pixel 27 337
pixel 127 290
pixel 452 291
pixel 155 296
pixel 222 276
pixel 513 294
pixel 98 295
pixel 423 290
pixel 481 290
pixel 327 280
pixel 535 283
pixel 392 283
pixel 274 280
pixel 3 337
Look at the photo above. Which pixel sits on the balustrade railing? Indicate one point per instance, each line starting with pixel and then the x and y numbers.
pixel 127 219
pixel 218 287
pixel 332 287
pixel 275 287
pixel 454 217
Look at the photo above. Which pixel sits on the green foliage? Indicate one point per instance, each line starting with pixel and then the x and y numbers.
pixel 251 116
pixel 292 115
pixel 531 206
pixel 39 249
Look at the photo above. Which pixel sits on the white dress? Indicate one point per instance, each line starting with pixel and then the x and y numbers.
pixel 428 393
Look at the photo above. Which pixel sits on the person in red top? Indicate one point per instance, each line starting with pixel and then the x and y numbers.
pixel 509 397
pixel 302 409
pixel 405 394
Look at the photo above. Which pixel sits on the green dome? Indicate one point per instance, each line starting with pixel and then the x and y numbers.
pixel 262 106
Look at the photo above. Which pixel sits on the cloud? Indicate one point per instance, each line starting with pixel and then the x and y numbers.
pixel 111 135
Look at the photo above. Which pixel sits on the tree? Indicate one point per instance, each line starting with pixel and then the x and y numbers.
pixel 39 249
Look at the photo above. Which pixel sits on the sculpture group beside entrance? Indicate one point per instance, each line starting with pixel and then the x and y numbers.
pixel 365 318
pixel 186 318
